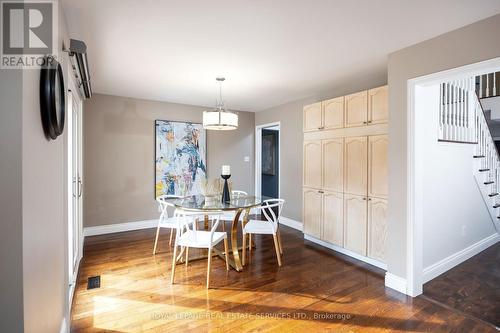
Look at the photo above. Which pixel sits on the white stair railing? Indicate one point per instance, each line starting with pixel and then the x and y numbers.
pixel 462 120
pixel 488 85
pixel 486 150
pixel 457 113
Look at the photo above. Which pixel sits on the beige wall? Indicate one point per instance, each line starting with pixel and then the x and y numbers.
pixel 44 210
pixel 290 117
pixel 119 155
pixel 460 47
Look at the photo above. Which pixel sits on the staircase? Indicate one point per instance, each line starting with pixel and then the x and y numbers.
pixel 462 120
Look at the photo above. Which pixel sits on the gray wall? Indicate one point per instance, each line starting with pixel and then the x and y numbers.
pixel 119 155
pixel 11 223
pixel 467 45
pixel 290 117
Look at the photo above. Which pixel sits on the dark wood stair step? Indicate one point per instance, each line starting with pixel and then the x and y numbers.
pixel 492 194
pixel 489 182
pixel 496 205
pixel 483 170
pixel 478 156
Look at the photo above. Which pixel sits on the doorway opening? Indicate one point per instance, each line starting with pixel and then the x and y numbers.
pixel 267 160
pixel 444 134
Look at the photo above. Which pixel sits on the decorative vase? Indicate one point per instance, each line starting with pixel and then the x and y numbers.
pixel 225 192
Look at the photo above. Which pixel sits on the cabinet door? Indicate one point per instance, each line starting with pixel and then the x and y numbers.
pixel 378 105
pixel 356 165
pixel 378 166
pixel 355 207
pixel 333 218
pixel 312 212
pixel 312 164
pixel 333 113
pixel 356 109
pixel 377 228
pixel 333 164
pixel 312 117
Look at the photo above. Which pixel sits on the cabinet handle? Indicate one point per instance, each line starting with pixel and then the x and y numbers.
pixel 322 127
pixel 321 192
pixel 369 121
pixel 365 122
pixel 364 198
pixel 369 199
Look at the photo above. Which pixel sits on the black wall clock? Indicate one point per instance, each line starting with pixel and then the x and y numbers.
pixel 52 99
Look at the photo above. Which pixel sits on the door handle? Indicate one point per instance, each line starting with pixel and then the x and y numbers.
pixel 73 188
pixel 80 186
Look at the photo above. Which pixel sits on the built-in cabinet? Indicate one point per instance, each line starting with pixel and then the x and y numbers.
pixel 345 172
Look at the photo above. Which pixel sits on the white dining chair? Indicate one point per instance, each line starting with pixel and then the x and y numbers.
pixel 188 236
pixel 166 221
pixel 229 215
pixel 268 227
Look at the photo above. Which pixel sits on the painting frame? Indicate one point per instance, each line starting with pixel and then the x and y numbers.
pixel 202 146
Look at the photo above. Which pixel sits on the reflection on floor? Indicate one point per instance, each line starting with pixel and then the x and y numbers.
pixel 473 287
pixel 315 290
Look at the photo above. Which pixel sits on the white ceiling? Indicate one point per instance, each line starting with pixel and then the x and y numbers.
pixel 271 52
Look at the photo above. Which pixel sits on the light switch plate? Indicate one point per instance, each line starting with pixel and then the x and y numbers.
pixel 247 159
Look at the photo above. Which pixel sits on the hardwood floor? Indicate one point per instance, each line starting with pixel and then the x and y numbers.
pixel 315 290
pixel 473 287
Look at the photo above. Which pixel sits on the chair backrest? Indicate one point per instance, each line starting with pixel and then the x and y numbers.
pixel 185 224
pixel 238 194
pixel 163 204
pixel 267 208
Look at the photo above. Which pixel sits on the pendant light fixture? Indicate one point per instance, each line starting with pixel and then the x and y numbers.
pixel 220 118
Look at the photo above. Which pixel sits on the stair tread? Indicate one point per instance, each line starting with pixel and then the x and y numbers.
pixel 478 156
pixel 482 170
pixel 496 205
pixel 493 194
pixel 489 182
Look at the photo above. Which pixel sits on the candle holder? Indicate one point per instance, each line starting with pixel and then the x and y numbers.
pixel 225 192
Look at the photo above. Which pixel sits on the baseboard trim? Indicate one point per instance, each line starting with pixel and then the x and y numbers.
pixel 349 253
pixel 395 282
pixel 448 263
pixel 291 223
pixel 119 227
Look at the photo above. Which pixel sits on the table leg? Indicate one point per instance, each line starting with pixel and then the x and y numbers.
pixel 206 222
pixel 234 238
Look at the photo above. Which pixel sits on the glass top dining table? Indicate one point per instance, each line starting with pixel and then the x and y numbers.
pixel 209 205
pixel 214 203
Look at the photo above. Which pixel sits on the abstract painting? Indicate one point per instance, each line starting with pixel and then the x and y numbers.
pixel 180 158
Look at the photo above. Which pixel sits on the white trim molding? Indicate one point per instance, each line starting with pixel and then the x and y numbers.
pixel 119 227
pixel 395 282
pixel 291 223
pixel 258 156
pixel 349 253
pixel 455 259
pixel 64 326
